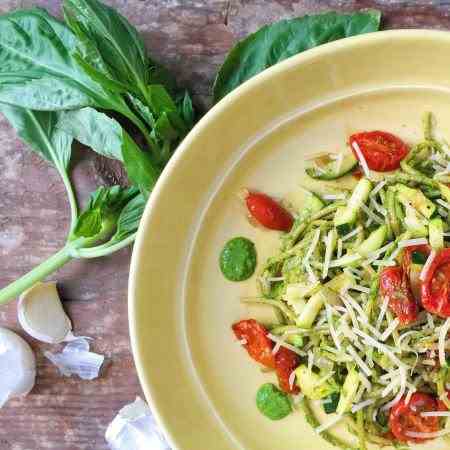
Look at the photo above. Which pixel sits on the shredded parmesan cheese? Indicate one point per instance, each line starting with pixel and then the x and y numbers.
pixel 426 267
pixel 363 366
pixel 381 347
pixel 339 248
pixel 411 391
pixel 328 254
pixel 411 242
pixel 310 360
pixel 362 405
pixel 378 188
pixel 277 339
pixel 352 233
pixel 435 414
pixel 330 324
pixel 443 203
pixel 328 424
pixel 292 379
pixel 361 159
pixel 314 242
pixel 400 393
pixel 365 381
pixel 333 196
pixel 360 288
pixel 389 330
pixel 372 215
pixel 430 435
pixel 378 207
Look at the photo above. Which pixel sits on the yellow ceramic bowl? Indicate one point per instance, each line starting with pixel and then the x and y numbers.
pixel 198 380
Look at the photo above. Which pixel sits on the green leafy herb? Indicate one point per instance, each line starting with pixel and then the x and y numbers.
pixel 272 402
pixel 38 70
pixel 112 52
pixel 278 41
pixel 119 48
pixel 110 218
pixel 53 82
pixel 106 136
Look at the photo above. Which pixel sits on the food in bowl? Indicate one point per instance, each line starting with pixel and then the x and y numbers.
pixel 361 288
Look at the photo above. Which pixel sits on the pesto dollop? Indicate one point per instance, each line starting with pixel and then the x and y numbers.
pixel 272 402
pixel 238 259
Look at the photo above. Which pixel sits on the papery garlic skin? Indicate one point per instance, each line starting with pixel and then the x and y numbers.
pixel 17 366
pixel 76 359
pixel 135 428
pixel 41 314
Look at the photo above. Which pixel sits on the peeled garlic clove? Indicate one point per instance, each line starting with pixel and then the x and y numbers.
pixel 17 366
pixel 41 314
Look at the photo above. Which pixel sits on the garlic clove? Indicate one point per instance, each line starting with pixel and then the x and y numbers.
pixel 17 366
pixel 41 314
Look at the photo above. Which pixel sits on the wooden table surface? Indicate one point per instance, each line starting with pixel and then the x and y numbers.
pixel 191 37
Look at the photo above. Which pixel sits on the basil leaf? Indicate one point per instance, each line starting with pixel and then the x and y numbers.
pixel 164 128
pixel 106 137
pixel 89 224
pixel 278 41
pixel 121 47
pixel 159 99
pixel 38 130
pixel 37 70
pixel 186 110
pixel 139 166
pixel 143 110
pixel 129 218
pixel 100 217
pixel 95 130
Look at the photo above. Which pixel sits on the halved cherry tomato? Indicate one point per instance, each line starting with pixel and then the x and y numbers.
pixel 413 273
pixel 405 418
pixel 260 347
pixel 382 151
pixel 436 285
pixel 268 212
pixel 286 361
pixel 256 342
pixel 394 285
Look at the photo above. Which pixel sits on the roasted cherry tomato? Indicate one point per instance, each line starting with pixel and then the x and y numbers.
pixel 413 259
pixel 382 151
pixel 256 342
pixel 286 361
pixel 260 347
pixel 268 212
pixel 394 285
pixel 436 285
pixel 405 418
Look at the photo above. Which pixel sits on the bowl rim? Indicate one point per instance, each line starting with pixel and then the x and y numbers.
pixel 186 146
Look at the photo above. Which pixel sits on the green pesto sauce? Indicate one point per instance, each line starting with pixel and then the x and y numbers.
pixel 238 259
pixel 273 403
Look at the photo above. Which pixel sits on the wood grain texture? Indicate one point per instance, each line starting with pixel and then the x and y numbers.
pixel 191 37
